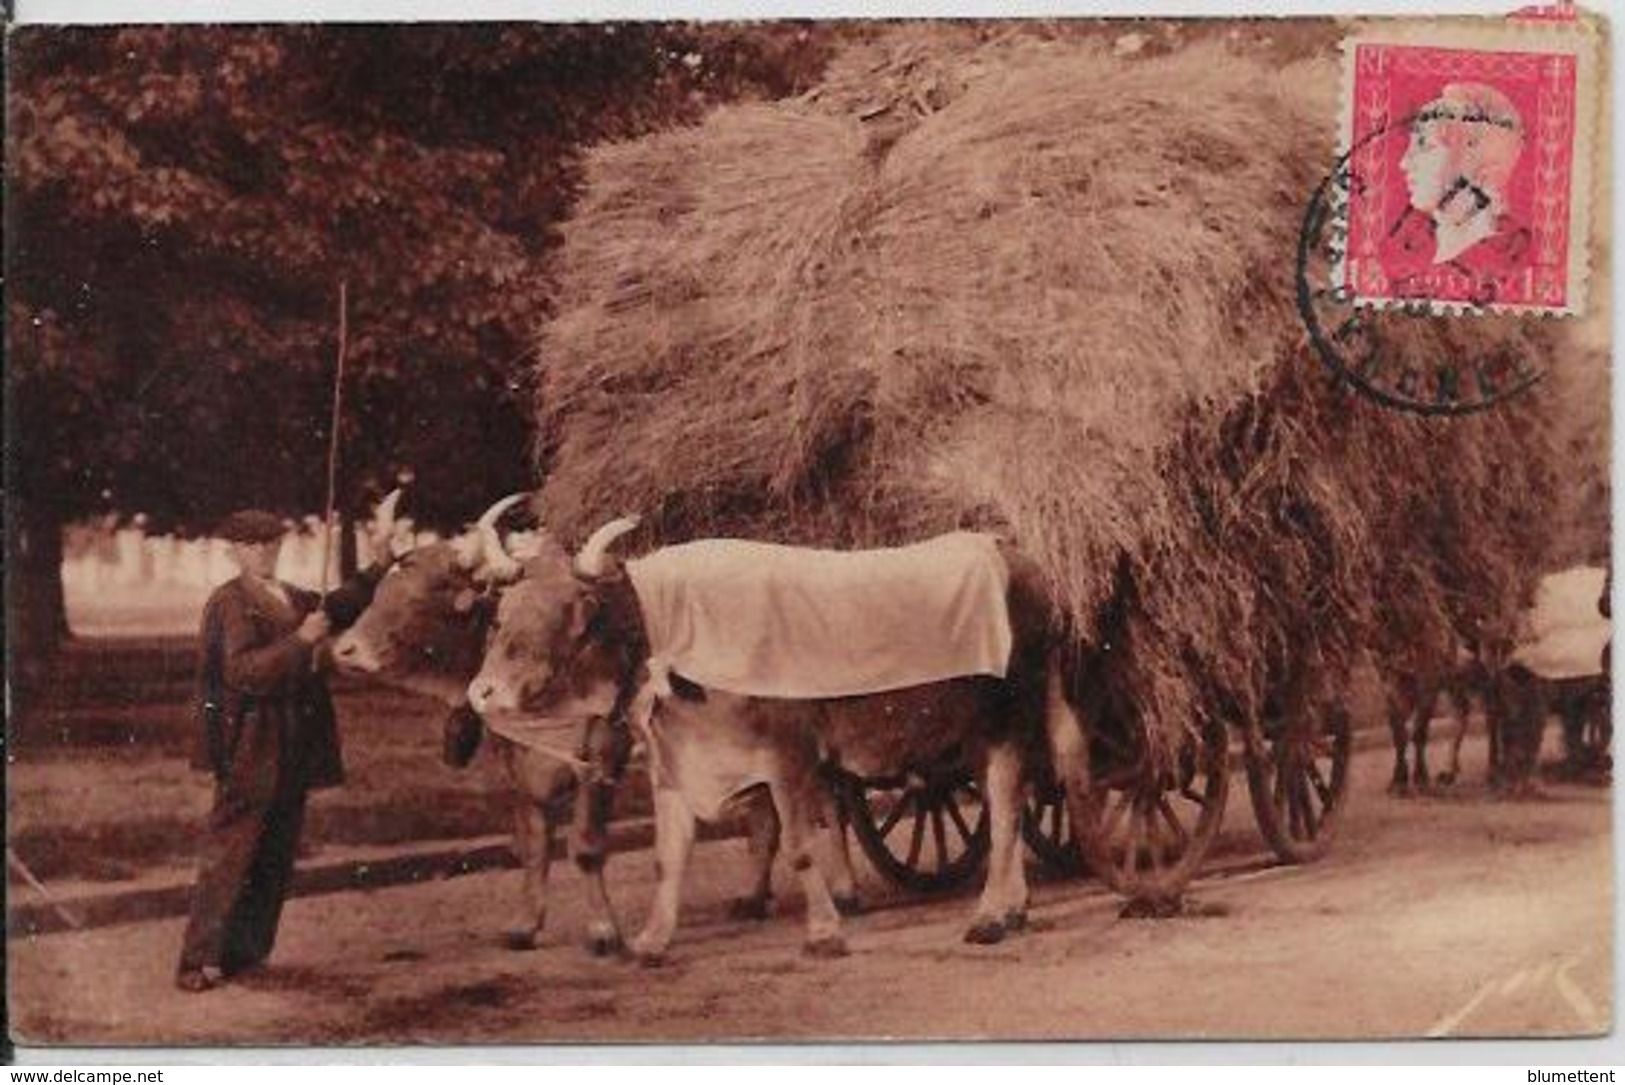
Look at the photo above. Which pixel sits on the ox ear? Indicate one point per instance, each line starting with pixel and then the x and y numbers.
pixel 465 600
pixel 583 614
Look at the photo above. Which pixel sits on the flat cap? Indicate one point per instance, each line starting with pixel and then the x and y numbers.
pixel 251 526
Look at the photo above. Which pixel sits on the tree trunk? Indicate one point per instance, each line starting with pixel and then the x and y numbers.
pixel 36 611
pixel 349 561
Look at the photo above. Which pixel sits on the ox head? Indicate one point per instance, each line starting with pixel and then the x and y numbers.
pixel 548 653
pixel 426 627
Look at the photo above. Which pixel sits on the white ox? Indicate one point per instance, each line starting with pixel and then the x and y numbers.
pixel 568 644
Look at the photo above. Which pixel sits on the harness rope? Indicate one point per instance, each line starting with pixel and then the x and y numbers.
pixel 570 753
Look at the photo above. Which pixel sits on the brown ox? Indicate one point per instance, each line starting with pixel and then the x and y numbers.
pixel 1456 676
pixel 567 644
pixel 426 631
pixel 1549 671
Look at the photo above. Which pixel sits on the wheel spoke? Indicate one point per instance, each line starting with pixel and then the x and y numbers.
pixel 1182 838
pixel 939 832
pixel 1117 805
pixel 965 831
pixel 1293 810
pixel 1153 841
pixel 918 837
pixel 1142 838
pixel 1117 780
pixel 1321 786
pixel 902 803
pixel 1131 844
pixel 1115 744
pixel 1311 822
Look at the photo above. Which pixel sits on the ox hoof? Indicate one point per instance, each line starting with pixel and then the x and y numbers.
pixel 1399 789
pixel 988 932
pixel 648 952
pixel 751 908
pixel 1445 779
pixel 825 948
pixel 1015 921
pixel 848 904
pixel 603 943
pixel 521 941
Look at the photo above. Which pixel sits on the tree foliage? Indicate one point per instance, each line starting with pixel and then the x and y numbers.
pixel 186 200
pixel 183 203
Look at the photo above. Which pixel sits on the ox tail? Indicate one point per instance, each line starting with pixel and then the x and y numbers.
pixel 1068 749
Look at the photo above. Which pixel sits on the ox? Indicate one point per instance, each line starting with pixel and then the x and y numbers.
pixel 1559 665
pixel 425 631
pixel 1414 695
pixel 569 643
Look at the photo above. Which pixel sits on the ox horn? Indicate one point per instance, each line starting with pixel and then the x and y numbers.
pixel 589 562
pixel 384 514
pixel 381 528
pixel 494 556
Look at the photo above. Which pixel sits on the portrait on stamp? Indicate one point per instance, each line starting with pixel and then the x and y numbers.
pixel 1468 169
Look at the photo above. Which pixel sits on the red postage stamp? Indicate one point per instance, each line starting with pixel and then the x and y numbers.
pixel 1469 158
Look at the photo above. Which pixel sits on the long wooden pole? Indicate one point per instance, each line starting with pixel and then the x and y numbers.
pixel 68 915
pixel 333 435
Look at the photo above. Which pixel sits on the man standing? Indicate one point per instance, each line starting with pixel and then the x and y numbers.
pixel 268 736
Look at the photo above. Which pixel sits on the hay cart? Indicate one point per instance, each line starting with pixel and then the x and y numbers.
pixel 1151 828
pixel 853 356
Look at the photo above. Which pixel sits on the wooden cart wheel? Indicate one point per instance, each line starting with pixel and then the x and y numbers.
pixel 1146 830
pixel 1047 829
pixel 1598 735
pixel 1298 777
pixel 1589 735
pixel 925 835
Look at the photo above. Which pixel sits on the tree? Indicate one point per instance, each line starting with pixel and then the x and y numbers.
pixel 184 201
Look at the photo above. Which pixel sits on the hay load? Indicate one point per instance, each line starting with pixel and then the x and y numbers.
pixel 1060 307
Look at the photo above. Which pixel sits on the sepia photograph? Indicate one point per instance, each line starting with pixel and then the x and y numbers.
pixel 808 531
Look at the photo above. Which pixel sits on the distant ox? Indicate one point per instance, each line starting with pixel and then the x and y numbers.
pixel 1455 675
pixel 568 644
pixel 1558 665
pixel 426 631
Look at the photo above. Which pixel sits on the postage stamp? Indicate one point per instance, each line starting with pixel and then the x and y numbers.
pixel 1469 145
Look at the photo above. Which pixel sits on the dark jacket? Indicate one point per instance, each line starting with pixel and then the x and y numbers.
pixel 266 711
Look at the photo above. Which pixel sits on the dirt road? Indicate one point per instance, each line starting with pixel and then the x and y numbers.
pixel 1444 916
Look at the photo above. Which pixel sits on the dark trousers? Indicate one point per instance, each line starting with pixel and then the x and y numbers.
pixel 245 869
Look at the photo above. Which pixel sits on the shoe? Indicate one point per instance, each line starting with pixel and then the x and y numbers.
pixel 195 980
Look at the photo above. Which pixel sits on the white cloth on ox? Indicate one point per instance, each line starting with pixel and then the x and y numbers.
pixel 764 620
pixel 1564 632
pixel 1566 652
